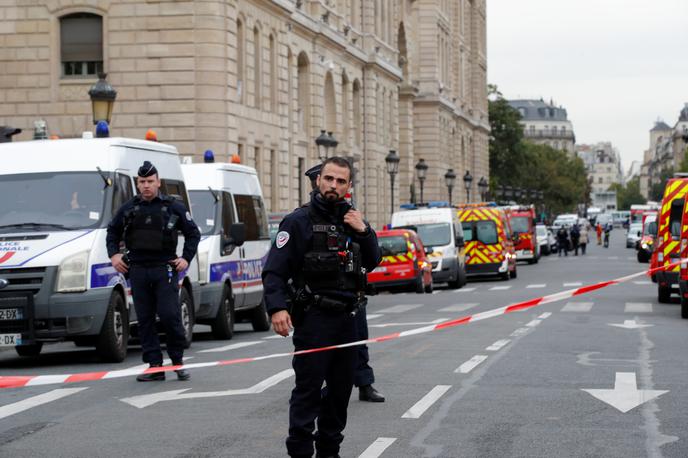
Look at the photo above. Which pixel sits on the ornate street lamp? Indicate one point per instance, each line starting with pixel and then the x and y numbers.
pixel 450 180
pixel 333 143
pixel 467 181
pixel 392 161
pixel 482 186
pixel 421 172
pixel 323 144
pixel 103 97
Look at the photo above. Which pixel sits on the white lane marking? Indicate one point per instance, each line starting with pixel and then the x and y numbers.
pixel 458 307
pixel 575 283
pixel 577 307
pixel 428 400
pixel 231 347
pixel 400 308
pixel 643 282
pixel 376 448
pixel 499 288
pixel 533 323
pixel 519 332
pixel 35 401
pixel 417 323
pixel 638 307
pixel 625 396
pixel 545 315
pixel 498 345
pixel 471 364
pixel 464 290
pixel 537 285
pixel 372 316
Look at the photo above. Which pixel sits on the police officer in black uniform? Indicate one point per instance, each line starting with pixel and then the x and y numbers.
pixel 364 376
pixel 149 225
pixel 314 281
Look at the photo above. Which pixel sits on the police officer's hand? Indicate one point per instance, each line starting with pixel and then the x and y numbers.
pixel 354 218
pixel 180 264
pixel 119 264
pixel 281 322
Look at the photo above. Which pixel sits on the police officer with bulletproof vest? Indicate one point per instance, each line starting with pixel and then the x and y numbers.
pixel 314 281
pixel 149 225
pixel 364 377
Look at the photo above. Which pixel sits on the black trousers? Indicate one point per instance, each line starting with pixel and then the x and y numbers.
pixel 364 373
pixel 335 368
pixel 154 294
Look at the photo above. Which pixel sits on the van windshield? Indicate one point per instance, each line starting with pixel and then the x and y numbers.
pixel 54 200
pixel 434 234
pixel 203 209
pixel 519 224
pixel 392 245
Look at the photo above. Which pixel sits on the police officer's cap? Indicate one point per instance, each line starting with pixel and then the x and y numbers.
pixel 147 169
pixel 313 172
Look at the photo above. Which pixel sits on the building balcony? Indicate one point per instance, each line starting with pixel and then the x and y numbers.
pixel 566 135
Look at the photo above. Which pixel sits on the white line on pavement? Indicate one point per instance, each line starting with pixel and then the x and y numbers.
pixel 376 448
pixel 400 308
pixel 545 315
pixel 464 290
pixel 471 364
pixel 538 285
pixel 35 401
pixel 499 288
pixel 533 323
pixel 520 331
pixel 372 316
pixel 417 323
pixel 498 345
pixel 638 307
pixel 231 347
pixel 575 283
pixel 577 307
pixel 428 400
pixel 458 307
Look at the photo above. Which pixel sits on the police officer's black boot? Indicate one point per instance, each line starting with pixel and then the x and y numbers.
pixel 153 376
pixel 369 394
pixel 182 374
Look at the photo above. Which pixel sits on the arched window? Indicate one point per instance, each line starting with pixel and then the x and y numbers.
pixel 81 45
pixel 273 73
pixel 257 68
pixel 356 95
pixel 304 98
pixel 241 60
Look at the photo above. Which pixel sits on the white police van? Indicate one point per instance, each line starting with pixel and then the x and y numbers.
pixel 56 280
pixel 227 204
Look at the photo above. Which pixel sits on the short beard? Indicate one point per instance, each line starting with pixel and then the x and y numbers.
pixel 331 196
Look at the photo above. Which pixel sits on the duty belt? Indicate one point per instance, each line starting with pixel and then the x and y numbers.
pixel 332 305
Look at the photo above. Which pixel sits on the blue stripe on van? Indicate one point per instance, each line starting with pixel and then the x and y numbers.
pixel 252 268
pixel 103 275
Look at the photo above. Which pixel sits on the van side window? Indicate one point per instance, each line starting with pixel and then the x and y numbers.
pixel 122 191
pixel 251 212
pixel 176 189
pixel 675 217
pixel 228 217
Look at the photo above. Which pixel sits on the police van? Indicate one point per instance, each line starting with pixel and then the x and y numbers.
pixel 438 227
pixel 227 204
pixel 56 280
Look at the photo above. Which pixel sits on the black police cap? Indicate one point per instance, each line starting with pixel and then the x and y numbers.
pixel 313 172
pixel 147 169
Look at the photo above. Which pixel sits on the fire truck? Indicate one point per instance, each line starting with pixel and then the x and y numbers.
pixel 522 219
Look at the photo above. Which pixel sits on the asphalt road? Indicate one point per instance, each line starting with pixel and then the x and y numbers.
pixel 509 386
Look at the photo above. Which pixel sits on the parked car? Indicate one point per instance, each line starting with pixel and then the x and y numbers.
pixel 633 235
pixel 404 262
pixel 546 239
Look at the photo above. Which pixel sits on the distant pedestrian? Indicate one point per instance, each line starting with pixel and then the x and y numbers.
pixel 598 229
pixel 583 239
pixel 575 238
pixel 563 241
pixel 607 230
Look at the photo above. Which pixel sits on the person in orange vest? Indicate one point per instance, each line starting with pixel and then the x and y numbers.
pixel 598 229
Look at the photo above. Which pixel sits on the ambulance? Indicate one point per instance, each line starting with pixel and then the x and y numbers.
pixel 227 204
pixel 56 280
pixel 438 228
pixel 489 240
pixel 668 236
pixel 522 221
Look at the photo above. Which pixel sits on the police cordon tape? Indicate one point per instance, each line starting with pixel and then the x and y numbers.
pixel 37 380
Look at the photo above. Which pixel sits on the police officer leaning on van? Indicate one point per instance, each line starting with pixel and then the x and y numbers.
pixel 149 224
pixel 314 281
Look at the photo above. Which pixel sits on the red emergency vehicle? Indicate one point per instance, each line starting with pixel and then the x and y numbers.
pixel 523 229
pixel 404 262
pixel 646 244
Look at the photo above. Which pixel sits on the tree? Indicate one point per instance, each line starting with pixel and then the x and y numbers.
pixel 628 195
pixel 506 136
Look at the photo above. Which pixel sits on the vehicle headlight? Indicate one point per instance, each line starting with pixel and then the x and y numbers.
pixel 203 267
pixel 72 273
pixel 644 245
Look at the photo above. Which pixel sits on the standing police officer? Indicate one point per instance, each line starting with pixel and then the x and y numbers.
pixel 364 377
pixel 149 224
pixel 318 265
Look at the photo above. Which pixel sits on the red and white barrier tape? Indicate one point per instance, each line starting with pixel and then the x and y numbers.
pixel 35 380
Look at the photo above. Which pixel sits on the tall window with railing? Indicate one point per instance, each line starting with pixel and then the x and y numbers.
pixel 81 45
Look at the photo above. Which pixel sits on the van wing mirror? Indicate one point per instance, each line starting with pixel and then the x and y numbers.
pixel 237 235
pixel 428 250
pixel 460 241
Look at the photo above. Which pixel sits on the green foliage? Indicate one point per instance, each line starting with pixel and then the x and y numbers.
pixel 628 195
pixel 683 167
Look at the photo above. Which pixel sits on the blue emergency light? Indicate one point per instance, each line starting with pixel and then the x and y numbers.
pixel 208 156
pixel 102 129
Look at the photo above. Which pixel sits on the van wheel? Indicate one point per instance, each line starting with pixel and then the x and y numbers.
pixel 513 273
pixel 420 289
pixel 460 279
pixel 29 350
pixel 112 341
pixel 259 318
pixel 186 306
pixel 223 324
pixel 663 294
pixel 429 287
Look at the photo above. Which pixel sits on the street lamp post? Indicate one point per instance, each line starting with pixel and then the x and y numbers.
pixel 323 144
pixel 392 160
pixel 421 172
pixel 467 181
pixel 482 186
pixel 103 97
pixel 449 180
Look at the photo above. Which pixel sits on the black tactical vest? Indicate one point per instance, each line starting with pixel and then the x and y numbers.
pixel 151 228
pixel 334 260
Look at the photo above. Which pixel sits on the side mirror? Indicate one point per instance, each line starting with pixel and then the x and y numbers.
pixel 460 242
pixel 428 250
pixel 639 233
pixel 237 235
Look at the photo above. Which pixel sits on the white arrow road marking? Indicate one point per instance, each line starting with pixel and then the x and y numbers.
pixel 630 324
pixel 638 307
pixel 35 401
pixel 376 448
pixel 148 400
pixel 424 404
pixel 400 308
pixel 498 345
pixel 231 347
pixel 471 364
pixel 417 323
pixel 625 395
pixel 577 307
pixel 458 307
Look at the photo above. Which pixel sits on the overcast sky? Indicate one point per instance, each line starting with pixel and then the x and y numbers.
pixel 615 65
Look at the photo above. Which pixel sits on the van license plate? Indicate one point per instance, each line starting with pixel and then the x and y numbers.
pixel 10 340
pixel 11 314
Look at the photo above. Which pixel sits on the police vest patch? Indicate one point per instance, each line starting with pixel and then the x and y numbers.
pixel 281 239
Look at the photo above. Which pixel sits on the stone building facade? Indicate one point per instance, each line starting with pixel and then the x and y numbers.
pixel 261 78
pixel 546 124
